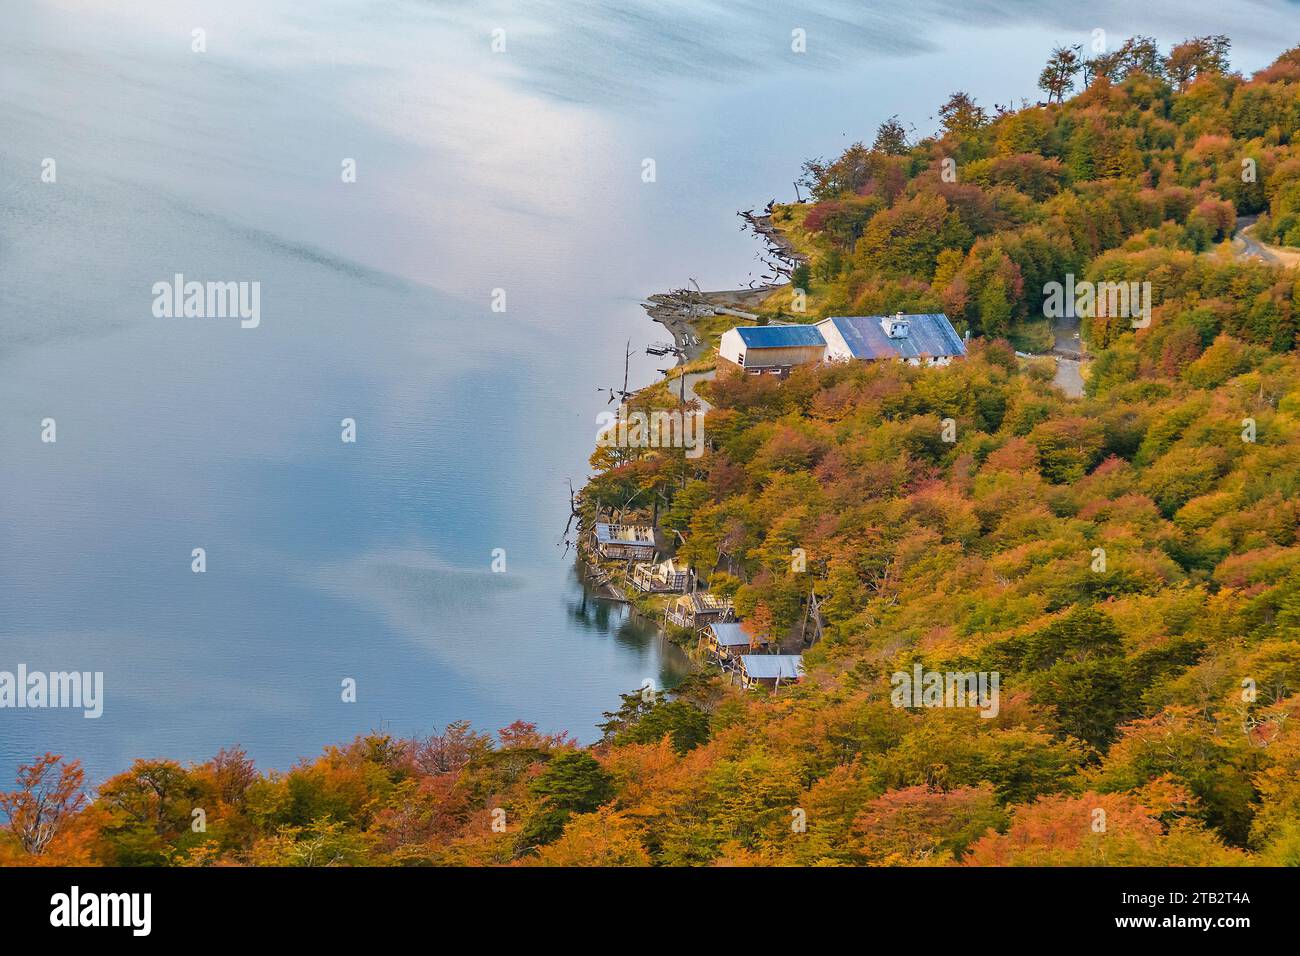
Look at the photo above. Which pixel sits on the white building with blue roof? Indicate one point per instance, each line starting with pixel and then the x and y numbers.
pixel 772 349
pixel 926 338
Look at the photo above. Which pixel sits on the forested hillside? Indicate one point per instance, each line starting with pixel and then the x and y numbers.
pixel 1128 181
pixel 1128 562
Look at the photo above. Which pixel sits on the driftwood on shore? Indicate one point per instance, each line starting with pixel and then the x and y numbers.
pixel 781 258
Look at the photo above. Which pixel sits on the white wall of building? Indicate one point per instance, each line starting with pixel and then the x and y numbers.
pixel 837 350
pixel 731 348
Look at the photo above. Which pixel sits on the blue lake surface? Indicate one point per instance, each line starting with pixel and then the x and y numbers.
pixel 476 171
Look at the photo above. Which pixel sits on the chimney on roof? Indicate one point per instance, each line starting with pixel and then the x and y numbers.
pixel 895 326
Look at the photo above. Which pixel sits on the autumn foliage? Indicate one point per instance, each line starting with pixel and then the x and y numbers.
pixel 1128 563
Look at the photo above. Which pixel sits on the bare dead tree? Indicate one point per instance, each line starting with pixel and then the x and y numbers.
pixel 574 515
pixel 622 394
pixel 44 801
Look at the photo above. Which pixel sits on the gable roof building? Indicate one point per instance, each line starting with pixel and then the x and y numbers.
pixel 697 609
pixel 772 348
pixel 729 634
pixel 770 669
pixel 927 338
pixel 729 640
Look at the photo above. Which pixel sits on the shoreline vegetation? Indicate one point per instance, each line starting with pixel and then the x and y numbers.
pixel 695 319
pixel 1118 573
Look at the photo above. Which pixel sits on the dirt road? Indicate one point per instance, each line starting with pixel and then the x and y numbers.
pixel 1246 246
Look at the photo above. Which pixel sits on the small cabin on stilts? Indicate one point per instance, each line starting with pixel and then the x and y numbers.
pixel 624 542
pixel 770 670
pixel 697 610
pixel 728 640
pixel 666 577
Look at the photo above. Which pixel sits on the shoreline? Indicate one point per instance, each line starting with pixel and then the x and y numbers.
pixel 678 312
pixel 679 309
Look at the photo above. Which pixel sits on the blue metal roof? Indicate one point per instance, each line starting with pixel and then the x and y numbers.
pixel 929 334
pixel 784 666
pixel 780 336
pixel 729 635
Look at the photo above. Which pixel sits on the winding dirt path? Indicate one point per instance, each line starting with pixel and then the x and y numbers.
pixel 1246 246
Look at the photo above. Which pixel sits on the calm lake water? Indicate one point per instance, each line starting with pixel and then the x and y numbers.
pixel 475 171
